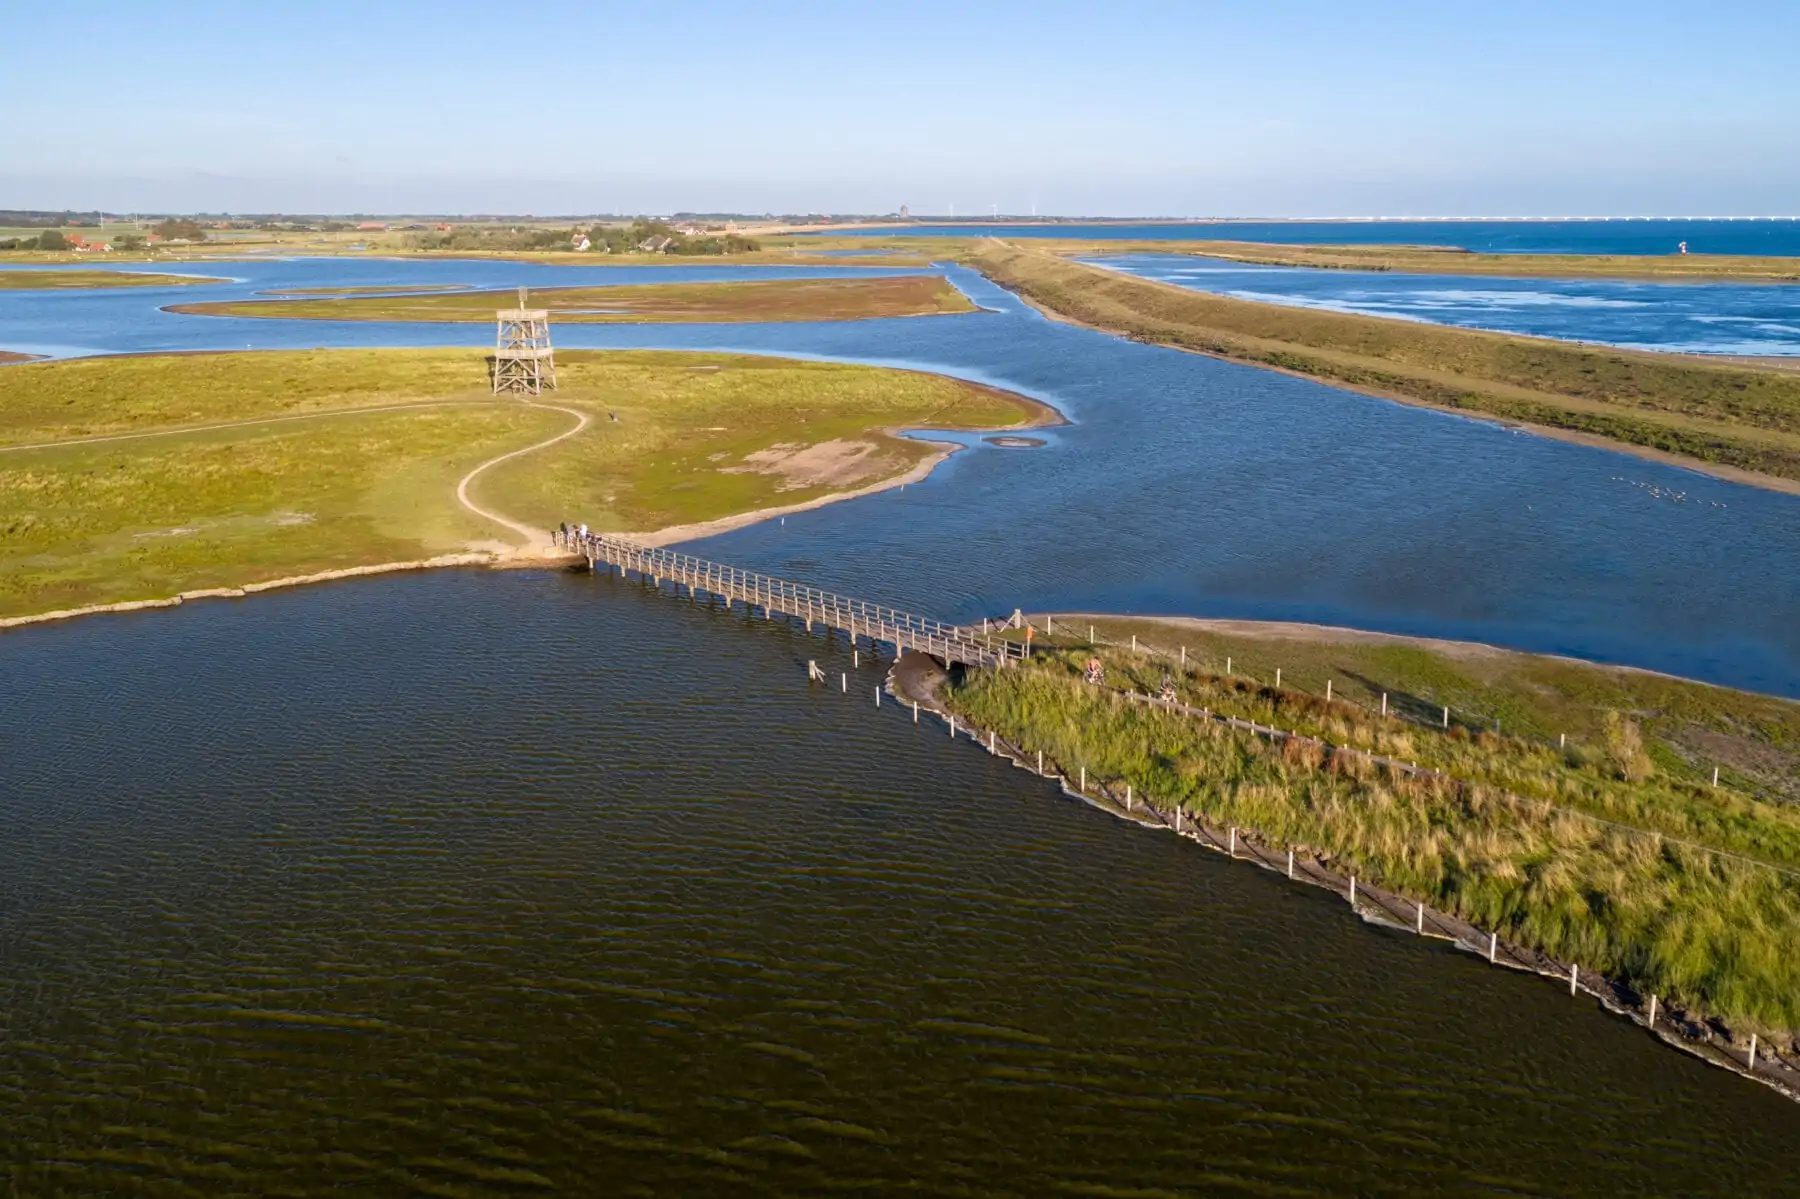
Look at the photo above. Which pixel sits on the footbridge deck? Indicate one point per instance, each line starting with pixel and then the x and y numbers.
pixel 859 618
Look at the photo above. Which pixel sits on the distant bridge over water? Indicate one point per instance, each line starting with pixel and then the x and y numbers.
pixel 858 618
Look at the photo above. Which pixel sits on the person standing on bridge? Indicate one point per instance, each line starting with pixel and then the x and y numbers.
pixel 562 534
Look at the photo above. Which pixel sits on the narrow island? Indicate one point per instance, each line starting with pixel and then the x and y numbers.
pixel 1570 809
pixel 140 478
pixel 758 300
pixel 1736 421
pixel 55 279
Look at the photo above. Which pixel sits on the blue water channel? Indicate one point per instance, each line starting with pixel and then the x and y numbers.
pixel 1183 484
pixel 1685 317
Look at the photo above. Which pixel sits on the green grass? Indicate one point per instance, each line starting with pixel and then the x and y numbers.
pixel 1513 852
pixel 749 300
pixel 1738 417
pixel 1689 727
pixel 196 506
pixel 47 280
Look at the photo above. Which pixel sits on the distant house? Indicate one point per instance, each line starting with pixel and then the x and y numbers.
pixel 690 230
pixel 371 227
pixel 582 243
pixel 656 245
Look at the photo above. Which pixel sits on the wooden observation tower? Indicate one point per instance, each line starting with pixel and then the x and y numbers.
pixel 523 360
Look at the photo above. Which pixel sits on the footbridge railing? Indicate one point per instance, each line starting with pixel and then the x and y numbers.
pixel 775 596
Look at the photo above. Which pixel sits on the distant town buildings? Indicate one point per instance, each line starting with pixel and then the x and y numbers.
pixel 905 213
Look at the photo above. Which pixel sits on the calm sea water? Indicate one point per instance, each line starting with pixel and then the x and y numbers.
pixel 1693 318
pixel 1184 485
pixel 1618 236
pixel 478 883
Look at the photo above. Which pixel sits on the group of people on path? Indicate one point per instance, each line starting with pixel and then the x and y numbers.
pixel 569 537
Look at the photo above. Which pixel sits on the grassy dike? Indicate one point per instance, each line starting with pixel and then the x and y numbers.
pixel 1743 420
pixel 138 478
pixel 1591 853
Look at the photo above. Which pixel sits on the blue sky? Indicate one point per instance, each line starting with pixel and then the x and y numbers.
pixel 1280 107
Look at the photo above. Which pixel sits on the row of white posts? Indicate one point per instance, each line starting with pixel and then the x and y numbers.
pixel 814 672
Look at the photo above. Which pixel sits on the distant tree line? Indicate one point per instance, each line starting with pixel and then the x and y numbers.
pixel 179 229
pixel 49 239
pixel 602 239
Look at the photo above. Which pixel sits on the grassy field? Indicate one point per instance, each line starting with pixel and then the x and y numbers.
pixel 1521 846
pixel 750 300
pixel 1447 260
pixel 226 469
pixel 47 280
pixel 1735 417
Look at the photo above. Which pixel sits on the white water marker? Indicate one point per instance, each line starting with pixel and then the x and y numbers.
pixel 1290 863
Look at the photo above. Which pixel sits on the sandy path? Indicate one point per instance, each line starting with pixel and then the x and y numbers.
pixel 534 538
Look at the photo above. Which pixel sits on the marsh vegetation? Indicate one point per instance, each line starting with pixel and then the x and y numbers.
pixel 748 300
pixel 136 478
pixel 1588 852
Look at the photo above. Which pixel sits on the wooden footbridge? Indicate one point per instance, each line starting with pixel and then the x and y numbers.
pixel 859 618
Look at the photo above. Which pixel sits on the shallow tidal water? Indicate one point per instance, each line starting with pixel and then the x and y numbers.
pixel 481 883
pixel 1758 319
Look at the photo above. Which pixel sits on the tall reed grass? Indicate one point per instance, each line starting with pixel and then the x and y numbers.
pixel 1715 933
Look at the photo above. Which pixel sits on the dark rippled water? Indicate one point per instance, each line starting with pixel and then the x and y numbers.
pixel 476 884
